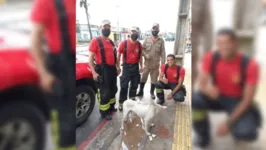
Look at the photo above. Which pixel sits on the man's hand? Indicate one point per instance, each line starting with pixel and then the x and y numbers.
pixel 165 81
pixel 169 96
pixel 147 56
pixel 95 76
pixel 46 82
pixel 223 129
pixel 118 70
pixel 213 92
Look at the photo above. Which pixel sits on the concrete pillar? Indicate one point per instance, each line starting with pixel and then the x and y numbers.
pixel 182 30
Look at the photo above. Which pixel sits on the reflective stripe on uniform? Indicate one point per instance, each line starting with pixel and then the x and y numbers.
pixel 159 90
pixel 102 107
pixel 55 127
pixel 198 114
pixel 112 101
pixel 55 132
pixel 67 148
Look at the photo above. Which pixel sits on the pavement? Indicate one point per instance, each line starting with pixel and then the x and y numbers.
pixel 172 126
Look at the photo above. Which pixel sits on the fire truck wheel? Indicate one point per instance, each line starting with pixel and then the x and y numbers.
pixel 22 126
pixel 85 101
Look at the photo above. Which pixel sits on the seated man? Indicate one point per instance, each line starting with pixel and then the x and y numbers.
pixel 174 78
pixel 227 83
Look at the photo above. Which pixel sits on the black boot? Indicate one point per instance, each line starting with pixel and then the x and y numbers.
pixel 160 101
pixel 152 91
pixel 140 93
pixel 202 130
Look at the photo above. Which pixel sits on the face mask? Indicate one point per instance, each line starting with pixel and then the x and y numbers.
pixel 134 37
pixel 106 32
pixel 154 33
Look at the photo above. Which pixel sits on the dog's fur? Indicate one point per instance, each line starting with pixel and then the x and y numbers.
pixel 146 112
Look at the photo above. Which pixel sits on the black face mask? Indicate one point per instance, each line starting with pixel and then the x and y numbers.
pixel 134 37
pixel 106 32
pixel 154 32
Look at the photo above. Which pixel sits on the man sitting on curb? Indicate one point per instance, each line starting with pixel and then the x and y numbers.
pixel 174 77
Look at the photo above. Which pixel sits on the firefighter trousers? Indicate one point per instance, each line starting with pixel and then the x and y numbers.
pixel 130 74
pixel 154 73
pixel 178 96
pixel 244 129
pixel 63 101
pixel 107 88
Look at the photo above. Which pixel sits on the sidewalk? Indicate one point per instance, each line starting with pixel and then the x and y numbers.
pixel 172 128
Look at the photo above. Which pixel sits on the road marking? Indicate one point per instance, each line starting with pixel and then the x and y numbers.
pixel 85 143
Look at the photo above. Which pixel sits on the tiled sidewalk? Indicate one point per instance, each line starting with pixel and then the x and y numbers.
pixel 182 128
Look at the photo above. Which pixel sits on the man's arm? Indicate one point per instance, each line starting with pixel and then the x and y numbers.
pixel 91 59
pixel 179 85
pixel 119 53
pixel 36 47
pixel 248 92
pixel 161 76
pixel 118 59
pixel 163 55
pixel 141 62
pixel 143 53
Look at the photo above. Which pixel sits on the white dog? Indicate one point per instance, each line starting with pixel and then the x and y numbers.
pixel 146 112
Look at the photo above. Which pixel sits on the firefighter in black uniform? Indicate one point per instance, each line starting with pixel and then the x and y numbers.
pixel 132 66
pixel 55 21
pixel 105 72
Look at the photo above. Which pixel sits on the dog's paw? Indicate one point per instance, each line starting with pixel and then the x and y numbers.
pixel 150 137
pixel 125 133
pixel 153 135
pixel 137 125
pixel 152 125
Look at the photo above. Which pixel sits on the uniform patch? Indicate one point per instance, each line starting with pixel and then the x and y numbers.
pixel 236 78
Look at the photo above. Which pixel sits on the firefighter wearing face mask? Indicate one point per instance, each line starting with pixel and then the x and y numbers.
pixel 153 53
pixel 105 71
pixel 132 66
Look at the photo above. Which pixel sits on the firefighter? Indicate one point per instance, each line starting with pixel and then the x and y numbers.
pixel 106 70
pixel 234 81
pixel 132 66
pixel 55 20
pixel 171 77
pixel 153 52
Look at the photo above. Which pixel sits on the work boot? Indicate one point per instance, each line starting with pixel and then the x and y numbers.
pixel 113 109
pixel 201 133
pixel 152 91
pixel 140 93
pixel 108 117
pixel 160 101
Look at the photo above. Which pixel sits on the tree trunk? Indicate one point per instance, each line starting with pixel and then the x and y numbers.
pixel 202 33
pixel 88 20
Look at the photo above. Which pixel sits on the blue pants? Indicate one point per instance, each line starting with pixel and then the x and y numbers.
pixel 244 129
pixel 178 96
